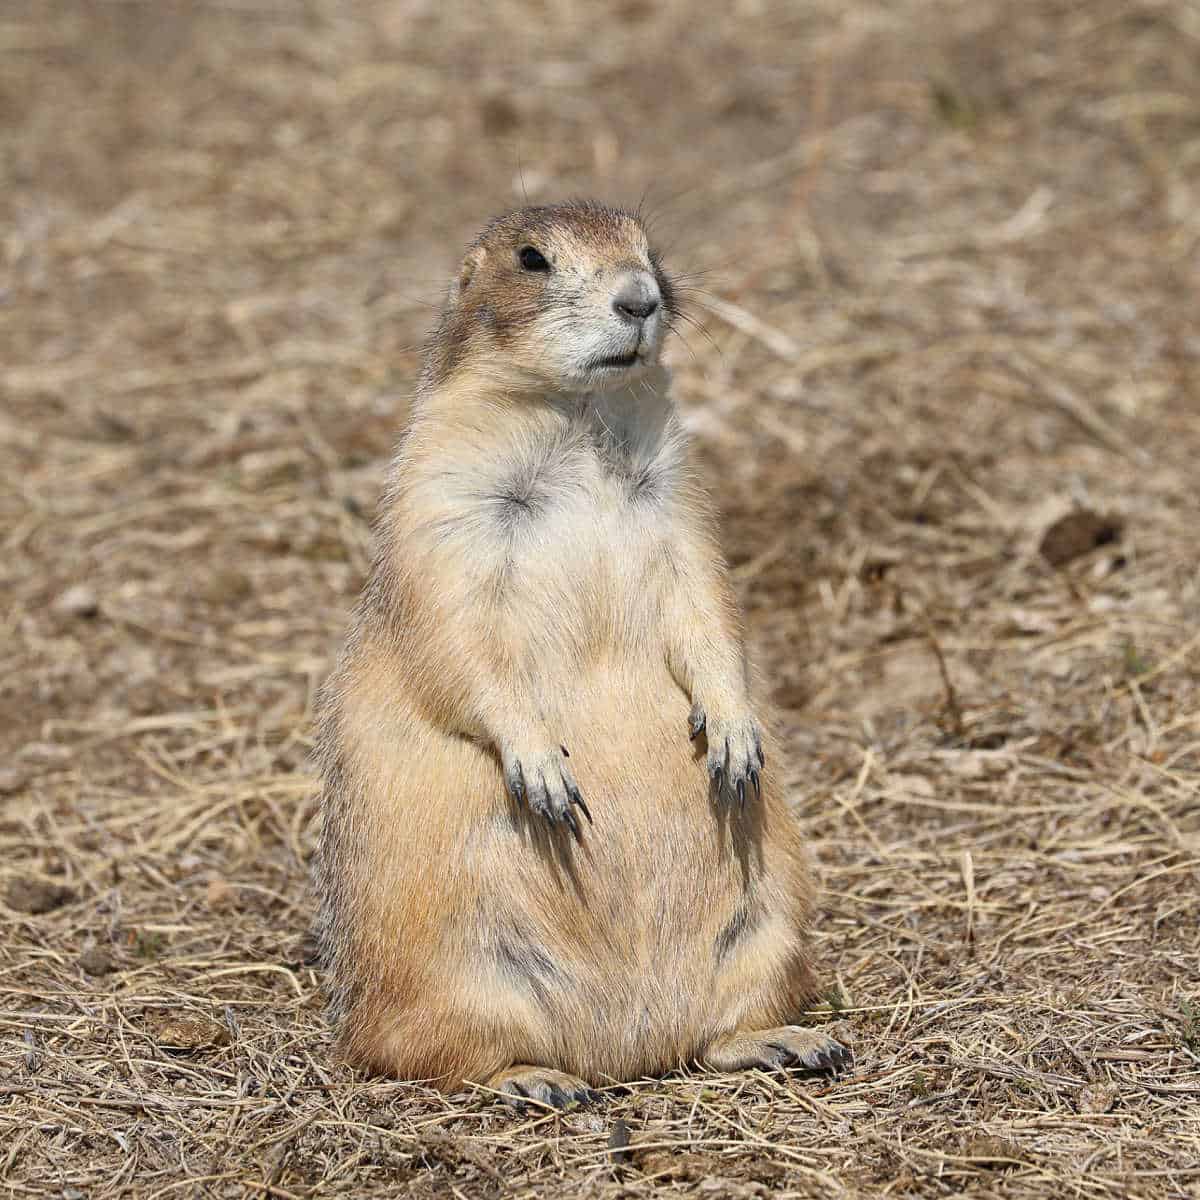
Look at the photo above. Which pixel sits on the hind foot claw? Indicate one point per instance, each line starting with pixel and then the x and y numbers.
pixel 788 1047
pixel 522 1086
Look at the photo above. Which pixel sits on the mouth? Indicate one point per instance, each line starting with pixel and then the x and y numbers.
pixel 613 362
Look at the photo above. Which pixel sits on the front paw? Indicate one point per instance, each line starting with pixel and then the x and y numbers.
pixel 735 753
pixel 544 782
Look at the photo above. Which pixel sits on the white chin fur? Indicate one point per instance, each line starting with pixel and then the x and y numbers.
pixel 584 378
pixel 645 376
pixel 578 344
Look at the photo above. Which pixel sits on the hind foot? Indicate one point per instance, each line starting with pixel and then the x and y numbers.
pixel 521 1085
pixel 788 1046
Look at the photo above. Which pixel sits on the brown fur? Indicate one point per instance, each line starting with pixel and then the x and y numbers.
pixel 548 581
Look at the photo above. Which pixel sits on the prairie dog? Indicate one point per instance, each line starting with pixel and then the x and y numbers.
pixel 554 854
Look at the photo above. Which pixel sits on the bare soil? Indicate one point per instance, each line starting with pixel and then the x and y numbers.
pixel 944 261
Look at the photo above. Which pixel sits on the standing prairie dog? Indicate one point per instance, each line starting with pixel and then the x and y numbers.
pixel 554 854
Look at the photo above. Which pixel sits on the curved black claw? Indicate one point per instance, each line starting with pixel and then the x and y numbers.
pixel 577 800
pixel 841 1058
pixel 573 821
pixel 832 1058
pixel 735 760
pixel 819 1061
pixel 516 785
pixel 554 1090
pixel 543 785
pixel 696 723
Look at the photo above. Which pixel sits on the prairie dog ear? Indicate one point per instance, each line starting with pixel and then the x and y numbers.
pixel 471 264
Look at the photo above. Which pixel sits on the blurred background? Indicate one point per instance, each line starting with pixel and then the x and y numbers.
pixel 943 372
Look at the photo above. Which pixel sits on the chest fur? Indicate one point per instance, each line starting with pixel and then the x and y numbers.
pixel 587 498
pixel 567 530
pixel 557 520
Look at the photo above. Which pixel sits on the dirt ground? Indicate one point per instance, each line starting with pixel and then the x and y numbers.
pixel 944 258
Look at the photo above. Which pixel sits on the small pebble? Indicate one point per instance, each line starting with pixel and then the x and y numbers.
pixel 12 780
pixel 989 1148
pixel 77 601
pixel 1097 1097
pixel 189 1033
pixel 97 961
pixel 220 896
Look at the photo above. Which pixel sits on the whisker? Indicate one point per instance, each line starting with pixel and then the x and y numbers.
pixel 691 321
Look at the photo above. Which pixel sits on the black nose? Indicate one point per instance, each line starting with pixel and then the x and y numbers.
pixel 637 296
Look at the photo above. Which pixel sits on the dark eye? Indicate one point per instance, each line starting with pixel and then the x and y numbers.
pixel 532 260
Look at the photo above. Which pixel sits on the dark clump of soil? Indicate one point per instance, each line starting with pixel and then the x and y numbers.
pixel 36 896
pixel 1077 534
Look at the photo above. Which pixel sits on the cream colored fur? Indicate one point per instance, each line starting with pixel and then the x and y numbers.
pixel 548 609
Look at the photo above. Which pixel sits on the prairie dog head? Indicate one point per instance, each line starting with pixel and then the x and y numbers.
pixel 567 298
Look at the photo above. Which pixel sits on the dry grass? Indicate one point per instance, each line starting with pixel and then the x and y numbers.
pixel 953 266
